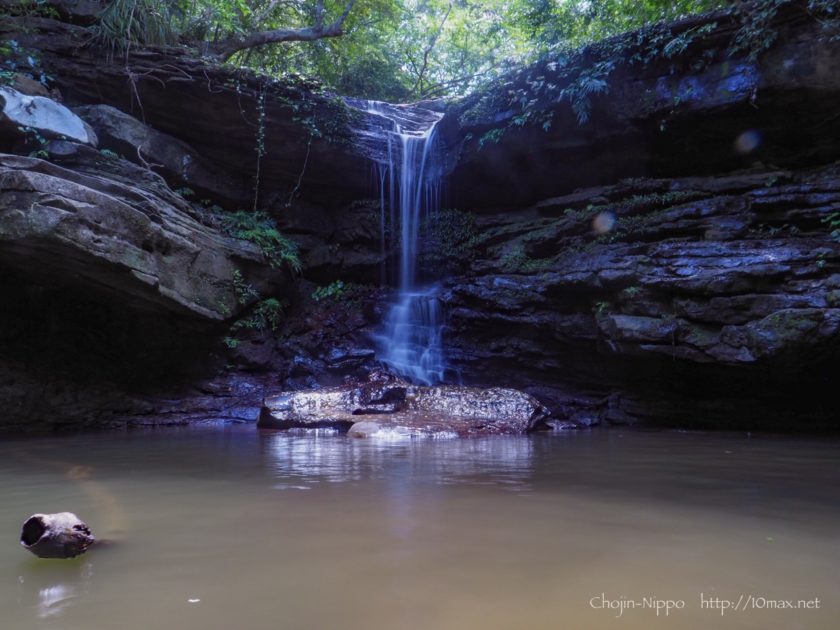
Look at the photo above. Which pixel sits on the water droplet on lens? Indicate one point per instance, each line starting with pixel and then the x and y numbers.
pixel 603 222
pixel 747 142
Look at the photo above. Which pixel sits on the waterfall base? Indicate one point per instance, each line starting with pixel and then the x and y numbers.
pixel 412 340
pixel 387 406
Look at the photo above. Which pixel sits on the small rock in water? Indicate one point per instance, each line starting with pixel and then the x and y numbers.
pixel 364 429
pixel 61 535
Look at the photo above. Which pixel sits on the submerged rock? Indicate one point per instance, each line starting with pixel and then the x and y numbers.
pixel 63 535
pixel 386 404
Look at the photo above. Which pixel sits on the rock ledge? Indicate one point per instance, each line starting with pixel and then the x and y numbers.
pixel 384 405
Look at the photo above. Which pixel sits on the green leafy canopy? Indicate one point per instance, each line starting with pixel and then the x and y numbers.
pixel 397 50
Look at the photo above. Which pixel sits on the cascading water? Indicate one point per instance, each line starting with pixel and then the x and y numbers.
pixel 401 141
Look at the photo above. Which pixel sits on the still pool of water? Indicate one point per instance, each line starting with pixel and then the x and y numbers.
pixel 233 528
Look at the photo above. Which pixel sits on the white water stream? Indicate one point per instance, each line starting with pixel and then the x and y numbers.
pixel 401 140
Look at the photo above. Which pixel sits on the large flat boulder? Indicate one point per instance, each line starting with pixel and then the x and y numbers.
pixel 387 406
pixel 144 244
pixel 22 115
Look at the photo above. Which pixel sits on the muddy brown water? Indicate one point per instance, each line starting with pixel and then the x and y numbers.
pixel 230 527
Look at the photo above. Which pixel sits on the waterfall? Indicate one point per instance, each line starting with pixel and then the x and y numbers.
pixel 401 141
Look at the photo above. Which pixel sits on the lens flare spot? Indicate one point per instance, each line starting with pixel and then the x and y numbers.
pixel 603 222
pixel 747 142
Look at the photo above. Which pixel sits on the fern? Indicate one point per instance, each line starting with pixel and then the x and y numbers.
pixel 265 316
pixel 125 23
pixel 588 83
pixel 260 229
pixel 833 222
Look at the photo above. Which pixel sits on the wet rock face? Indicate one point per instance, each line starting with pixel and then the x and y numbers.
pixel 700 301
pixel 213 108
pixel 687 301
pixel 175 160
pixel 122 291
pixel 143 244
pixel 669 116
pixel 384 404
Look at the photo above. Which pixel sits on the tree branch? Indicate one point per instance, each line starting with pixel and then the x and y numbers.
pixel 227 47
pixel 432 41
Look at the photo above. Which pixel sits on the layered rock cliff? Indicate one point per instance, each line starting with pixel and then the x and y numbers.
pixel 671 259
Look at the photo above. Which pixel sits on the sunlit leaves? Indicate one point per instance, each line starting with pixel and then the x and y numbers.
pixel 411 49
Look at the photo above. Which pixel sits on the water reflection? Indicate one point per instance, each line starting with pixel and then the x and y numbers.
pixel 52 588
pixel 302 461
pixel 423 533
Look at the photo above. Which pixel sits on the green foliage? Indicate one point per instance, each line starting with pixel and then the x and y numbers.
pixel 833 222
pixel 515 260
pixel 243 289
pixel 402 50
pixel 265 315
pixel 34 138
pixel 33 8
pixel 332 291
pixel 602 308
pixel 127 23
pixel 260 229
pixel 450 237
pixel 494 135
pixel 397 50
pixel 17 59
pixel 339 291
pixel 634 212
pixel 590 81
pixel 756 34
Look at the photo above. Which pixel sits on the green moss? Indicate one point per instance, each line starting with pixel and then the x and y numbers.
pixel 340 291
pixel 450 239
pixel 260 229
pixel 788 326
pixel 515 260
pixel 702 336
